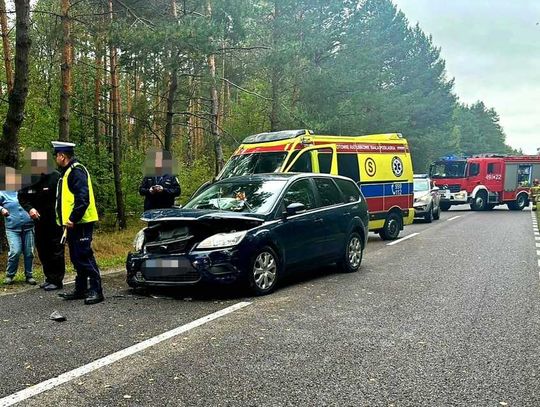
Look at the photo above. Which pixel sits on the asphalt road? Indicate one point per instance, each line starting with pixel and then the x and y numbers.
pixel 450 316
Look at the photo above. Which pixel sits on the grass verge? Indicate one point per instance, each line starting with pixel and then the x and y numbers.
pixel 110 246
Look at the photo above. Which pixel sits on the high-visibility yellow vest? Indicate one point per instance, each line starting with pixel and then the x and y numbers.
pixel 68 199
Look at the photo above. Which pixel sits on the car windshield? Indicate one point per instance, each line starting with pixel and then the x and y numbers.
pixel 447 169
pixel 250 196
pixel 256 163
pixel 421 185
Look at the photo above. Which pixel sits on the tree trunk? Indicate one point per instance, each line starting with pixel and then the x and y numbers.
pixel 121 215
pixel 275 76
pixel 214 109
pixel 67 58
pixel 171 95
pixel 5 43
pixel 9 144
pixel 97 97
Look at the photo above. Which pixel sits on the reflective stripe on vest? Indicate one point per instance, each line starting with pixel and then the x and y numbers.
pixel 68 199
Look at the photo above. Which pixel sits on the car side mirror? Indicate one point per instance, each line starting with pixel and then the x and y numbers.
pixel 294 209
pixel 435 189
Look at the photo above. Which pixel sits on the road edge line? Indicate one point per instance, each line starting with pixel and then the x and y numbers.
pixel 114 357
pixel 402 239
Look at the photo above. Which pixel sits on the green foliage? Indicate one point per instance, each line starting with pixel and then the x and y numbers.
pixel 338 67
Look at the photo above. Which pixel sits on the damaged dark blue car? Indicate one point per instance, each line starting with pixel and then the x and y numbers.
pixel 254 229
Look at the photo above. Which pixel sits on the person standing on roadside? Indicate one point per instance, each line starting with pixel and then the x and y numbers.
pixel 19 226
pixel 76 212
pixel 39 200
pixel 159 186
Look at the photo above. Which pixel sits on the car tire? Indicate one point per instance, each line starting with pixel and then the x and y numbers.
pixel 437 213
pixel 354 251
pixel 428 217
pixel 392 226
pixel 445 206
pixel 264 270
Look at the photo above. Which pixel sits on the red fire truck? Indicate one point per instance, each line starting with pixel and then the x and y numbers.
pixel 485 181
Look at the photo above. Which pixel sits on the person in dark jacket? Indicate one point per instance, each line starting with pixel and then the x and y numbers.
pixel 159 186
pixel 76 211
pixel 39 200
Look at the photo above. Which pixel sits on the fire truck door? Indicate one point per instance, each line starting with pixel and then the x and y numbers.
pixel 494 176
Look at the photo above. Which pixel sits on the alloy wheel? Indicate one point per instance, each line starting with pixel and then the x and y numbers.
pixel 264 270
pixel 355 252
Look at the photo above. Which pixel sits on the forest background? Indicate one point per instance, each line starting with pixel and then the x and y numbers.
pixel 118 77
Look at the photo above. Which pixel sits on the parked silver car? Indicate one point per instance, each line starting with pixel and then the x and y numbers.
pixel 426 198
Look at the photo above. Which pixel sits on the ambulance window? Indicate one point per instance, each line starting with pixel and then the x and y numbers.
pixel 474 169
pixel 325 161
pixel 303 164
pixel 348 166
pixel 349 189
pixel 328 192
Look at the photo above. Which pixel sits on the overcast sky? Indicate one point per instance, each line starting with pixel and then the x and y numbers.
pixel 492 49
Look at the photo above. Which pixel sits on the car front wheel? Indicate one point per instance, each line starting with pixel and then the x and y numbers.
pixel 352 258
pixel 264 271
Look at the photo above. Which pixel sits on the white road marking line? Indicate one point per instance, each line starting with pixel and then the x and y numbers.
pixel 402 239
pixel 455 217
pixel 538 253
pixel 537 238
pixel 114 357
pixel 537 244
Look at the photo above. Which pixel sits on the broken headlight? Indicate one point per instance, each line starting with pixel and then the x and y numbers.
pixel 138 242
pixel 222 240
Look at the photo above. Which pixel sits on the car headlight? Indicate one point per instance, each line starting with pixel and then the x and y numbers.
pixel 423 200
pixel 138 242
pixel 222 240
pixel 460 195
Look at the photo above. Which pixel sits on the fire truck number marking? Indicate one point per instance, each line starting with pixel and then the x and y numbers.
pixel 371 168
pixel 494 177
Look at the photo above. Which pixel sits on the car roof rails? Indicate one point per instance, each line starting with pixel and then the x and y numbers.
pixel 275 136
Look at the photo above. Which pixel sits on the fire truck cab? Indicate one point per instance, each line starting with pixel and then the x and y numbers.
pixel 485 181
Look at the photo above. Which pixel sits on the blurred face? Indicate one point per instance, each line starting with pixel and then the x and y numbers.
pixel 10 179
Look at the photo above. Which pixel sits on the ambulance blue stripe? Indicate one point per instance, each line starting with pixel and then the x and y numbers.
pixel 386 189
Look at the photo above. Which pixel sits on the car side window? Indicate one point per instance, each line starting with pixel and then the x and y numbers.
pixel 300 192
pixel 349 189
pixel 328 192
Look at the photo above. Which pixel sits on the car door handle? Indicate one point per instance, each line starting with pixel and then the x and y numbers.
pixel 346 214
pixel 318 220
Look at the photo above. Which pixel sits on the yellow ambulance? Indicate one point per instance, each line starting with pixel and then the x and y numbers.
pixel 380 164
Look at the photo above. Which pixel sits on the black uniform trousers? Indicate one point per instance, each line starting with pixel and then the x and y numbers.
pixel 79 240
pixel 50 251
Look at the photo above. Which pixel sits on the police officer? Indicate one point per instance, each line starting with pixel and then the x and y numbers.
pixel 159 187
pixel 39 200
pixel 76 212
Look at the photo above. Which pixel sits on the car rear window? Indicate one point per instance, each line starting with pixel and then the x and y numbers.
pixel 349 189
pixel 328 192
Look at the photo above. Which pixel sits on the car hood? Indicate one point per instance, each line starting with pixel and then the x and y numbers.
pixel 175 214
pixel 418 195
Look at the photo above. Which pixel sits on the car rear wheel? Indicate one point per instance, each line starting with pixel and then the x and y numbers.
pixel 392 227
pixel 352 258
pixel 437 213
pixel 264 271
pixel 429 215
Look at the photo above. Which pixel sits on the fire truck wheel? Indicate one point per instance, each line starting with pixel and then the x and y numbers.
pixel 445 206
pixel 480 201
pixel 519 203
pixel 392 226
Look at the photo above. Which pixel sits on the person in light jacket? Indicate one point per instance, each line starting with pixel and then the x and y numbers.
pixel 19 226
